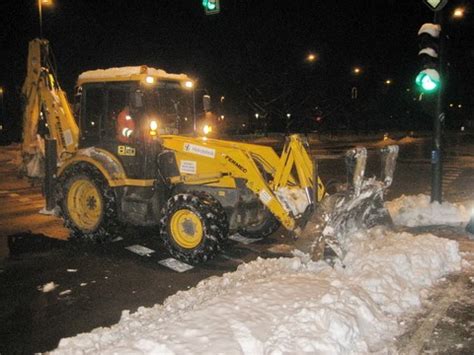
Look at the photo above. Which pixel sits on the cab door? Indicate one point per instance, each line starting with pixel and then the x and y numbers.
pixel 103 108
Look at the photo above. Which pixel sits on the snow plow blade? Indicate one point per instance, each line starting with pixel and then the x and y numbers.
pixel 358 205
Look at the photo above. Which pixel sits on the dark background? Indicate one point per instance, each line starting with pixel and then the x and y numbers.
pixel 253 53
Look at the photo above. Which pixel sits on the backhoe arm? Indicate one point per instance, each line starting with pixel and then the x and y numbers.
pixel 46 104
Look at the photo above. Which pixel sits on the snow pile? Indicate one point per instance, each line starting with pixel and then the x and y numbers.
pixel 415 211
pixel 288 305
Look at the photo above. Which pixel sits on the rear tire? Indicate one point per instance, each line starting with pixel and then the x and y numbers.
pixel 193 227
pixel 88 204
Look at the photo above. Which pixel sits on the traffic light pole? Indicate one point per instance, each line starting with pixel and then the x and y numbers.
pixel 438 119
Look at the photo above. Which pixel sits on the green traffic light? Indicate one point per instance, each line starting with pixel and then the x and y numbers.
pixel 428 80
pixel 209 5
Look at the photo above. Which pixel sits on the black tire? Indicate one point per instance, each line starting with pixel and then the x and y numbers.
pixel 268 226
pixel 100 228
pixel 207 227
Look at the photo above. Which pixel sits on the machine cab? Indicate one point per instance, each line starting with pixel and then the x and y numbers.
pixel 124 111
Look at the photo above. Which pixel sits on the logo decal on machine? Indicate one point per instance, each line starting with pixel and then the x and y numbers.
pixel 236 163
pixel 125 150
pixel 200 150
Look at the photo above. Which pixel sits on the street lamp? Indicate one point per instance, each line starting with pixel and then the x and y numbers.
pixel 42 3
pixel 312 57
pixel 388 82
pixel 458 12
pixel 356 70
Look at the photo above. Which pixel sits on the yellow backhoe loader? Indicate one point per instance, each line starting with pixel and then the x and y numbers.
pixel 117 164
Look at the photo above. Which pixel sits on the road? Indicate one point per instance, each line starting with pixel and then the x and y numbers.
pixel 94 283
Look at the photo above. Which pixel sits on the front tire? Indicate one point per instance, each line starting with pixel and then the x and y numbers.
pixel 88 204
pixel 193 227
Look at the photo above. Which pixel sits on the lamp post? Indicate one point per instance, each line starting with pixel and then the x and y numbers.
pixel 40 12
pixel 3 110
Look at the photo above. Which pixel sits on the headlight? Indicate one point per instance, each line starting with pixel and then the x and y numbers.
pixel 207 129
pixel 149 80
pixel 153 125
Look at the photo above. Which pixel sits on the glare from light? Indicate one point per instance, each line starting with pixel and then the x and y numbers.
pixel 46 2
pixel 92 123
pixel 451 105
pixel 1 91
pixel 189 84
pixel 153 125
pixel 222 117
pixel 288 115
pixel 388 82
pixel 356 70
pixel 459 106
pixel 149 80
pixel 256 116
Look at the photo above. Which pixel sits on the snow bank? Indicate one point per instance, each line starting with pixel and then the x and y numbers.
pixel 415 211
pixel 288 305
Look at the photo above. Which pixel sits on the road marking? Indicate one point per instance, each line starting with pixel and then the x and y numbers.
pixel 140 250
pixel 244 240
pixel 175 265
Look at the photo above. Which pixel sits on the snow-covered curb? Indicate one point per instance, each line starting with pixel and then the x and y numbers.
pixel 417 211
pixel 289 305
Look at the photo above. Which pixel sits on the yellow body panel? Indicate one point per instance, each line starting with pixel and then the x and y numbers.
pixel 108 164
pixel 218 163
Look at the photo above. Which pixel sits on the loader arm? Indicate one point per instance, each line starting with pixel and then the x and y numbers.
pixel 279 182
pixel 45 101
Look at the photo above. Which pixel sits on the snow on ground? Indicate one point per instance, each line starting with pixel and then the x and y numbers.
pixel 417 211
pixel 289 305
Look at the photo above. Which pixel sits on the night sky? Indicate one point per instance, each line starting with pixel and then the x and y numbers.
pixel 252 53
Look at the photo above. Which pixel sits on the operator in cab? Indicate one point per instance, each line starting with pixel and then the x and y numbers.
pixel 125 125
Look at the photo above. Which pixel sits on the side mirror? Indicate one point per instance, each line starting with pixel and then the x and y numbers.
pixel 206 103
pixel 136 99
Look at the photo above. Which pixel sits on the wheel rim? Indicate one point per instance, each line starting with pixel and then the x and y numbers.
pixel 84 204
pixel 186 229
